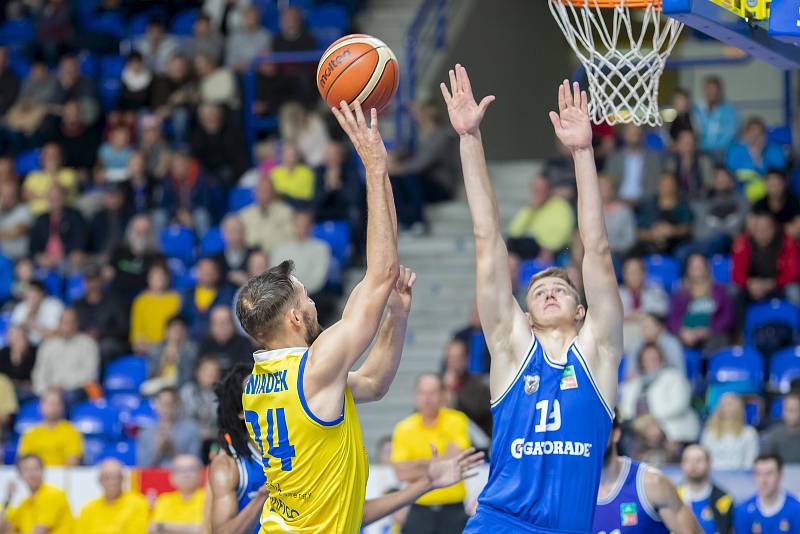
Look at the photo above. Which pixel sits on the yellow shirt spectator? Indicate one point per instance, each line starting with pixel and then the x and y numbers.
pixel 296 182
pixel 150 313
pixel 48 507
pixel 55 445
pixel 412 439
pixel 126 515
pixel 171 507
pixel 37 183
pixel 551 224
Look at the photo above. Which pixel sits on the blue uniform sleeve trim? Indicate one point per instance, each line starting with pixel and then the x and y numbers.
pixel 618 485
pixel 588 372
pixel 522 367
pixel 301 395
pixel 640 491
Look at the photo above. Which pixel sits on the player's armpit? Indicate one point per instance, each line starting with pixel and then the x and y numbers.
pixel 664 499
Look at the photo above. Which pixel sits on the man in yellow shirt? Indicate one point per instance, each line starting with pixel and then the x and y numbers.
pixel 37 183
pixel 117 511
pixel 181 511
pixel 55 440
pixel 440 511
pixel 543 227
pixel 46 510
pixel 293 179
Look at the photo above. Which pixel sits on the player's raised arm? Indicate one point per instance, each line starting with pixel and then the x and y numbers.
pixel 664 498
pixel 603 328
pixel 223 516
pixel 372 380
pixel 338 348
pixel 504 324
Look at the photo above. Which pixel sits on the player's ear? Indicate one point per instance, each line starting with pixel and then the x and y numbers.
pixel 580 313
pixel 295 316
pixel 529 317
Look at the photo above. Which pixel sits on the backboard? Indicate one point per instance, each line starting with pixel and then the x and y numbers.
pixel 767 30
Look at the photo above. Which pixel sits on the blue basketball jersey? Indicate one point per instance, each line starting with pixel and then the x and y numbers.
pixel 251 478
pixel 626 510
pixel 749 518
pixel 702 511
pixel 550 430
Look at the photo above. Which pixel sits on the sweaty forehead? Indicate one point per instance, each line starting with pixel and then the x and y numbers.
pixel 549 281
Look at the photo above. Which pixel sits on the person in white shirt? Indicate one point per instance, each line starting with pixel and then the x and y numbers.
pixel 731 442
pixel 69 360
pixel 15 221
pixel 661 391
pixel 38 313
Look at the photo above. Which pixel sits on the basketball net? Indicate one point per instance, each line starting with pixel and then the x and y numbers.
pixel 623 68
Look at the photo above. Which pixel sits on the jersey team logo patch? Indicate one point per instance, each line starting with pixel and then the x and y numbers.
pixel 628 514
pixel 784 526
pixel 707 514
pixel 531 383
pixel 568 379
pixel 756 527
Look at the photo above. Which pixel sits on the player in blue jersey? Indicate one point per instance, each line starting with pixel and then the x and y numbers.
pixel 635 498
pixel 553 375
pixel 710 504
pixel 771 510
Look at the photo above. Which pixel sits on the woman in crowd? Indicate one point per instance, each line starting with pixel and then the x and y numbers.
pixel 731 443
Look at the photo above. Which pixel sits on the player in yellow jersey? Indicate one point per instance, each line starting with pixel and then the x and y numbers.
pixel 299 403
pixel 236 492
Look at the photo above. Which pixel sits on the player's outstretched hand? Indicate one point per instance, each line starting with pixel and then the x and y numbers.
pixel 400 298
pixel 365 137
pixel 465 113
pixel 571 123
pixel 445 472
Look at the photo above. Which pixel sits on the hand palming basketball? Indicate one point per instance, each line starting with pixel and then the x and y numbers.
pixel 571 123
pixel 465 113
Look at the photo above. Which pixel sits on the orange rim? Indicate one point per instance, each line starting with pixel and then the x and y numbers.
pixel 605 4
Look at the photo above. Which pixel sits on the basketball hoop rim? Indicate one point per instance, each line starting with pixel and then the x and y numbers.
pixel 608 4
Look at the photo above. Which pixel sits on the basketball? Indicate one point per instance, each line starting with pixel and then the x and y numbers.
pixel 358 67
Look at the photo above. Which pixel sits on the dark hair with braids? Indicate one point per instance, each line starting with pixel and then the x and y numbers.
pixel 232 430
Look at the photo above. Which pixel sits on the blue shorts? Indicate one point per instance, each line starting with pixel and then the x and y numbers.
pixel 489 520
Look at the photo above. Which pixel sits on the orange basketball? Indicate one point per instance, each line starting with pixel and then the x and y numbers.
pixel 358 67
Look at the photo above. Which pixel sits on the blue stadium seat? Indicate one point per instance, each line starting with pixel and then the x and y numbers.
pixel 6 278
pixel 270 16
pixel 337 235
pixel 125 403
pixel 182 277
pixel 28 415
pixel 784 366
pixel 183 22
pixel 5 322
pixel 664 270
pixel 108 23
pixel 327 23
pixel 738 369
pixel 10 451
pixel 721 268
pixel 124 375
pixel 692 360
pixel 29 161
pixel 87 64
pixel 212 242
pixel 75 288
pixel 178 242
pixel 773 311
pixel 240 197
pixel 138 24
pixel 16 34
pixel 93 450
pixel 109 84
pixel 753 410
pixel 20 65
pixel 529 268
pixel 144 415
pixel 776 409
pixel 123 450
pixel 654 141
pixel 780 135
pixel 96 419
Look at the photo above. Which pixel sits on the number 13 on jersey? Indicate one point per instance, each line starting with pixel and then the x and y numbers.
pixel 283 451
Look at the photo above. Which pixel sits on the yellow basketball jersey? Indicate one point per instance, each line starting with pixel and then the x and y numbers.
pixel 316 470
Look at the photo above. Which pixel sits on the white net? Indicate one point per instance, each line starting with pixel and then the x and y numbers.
pixel 623 51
